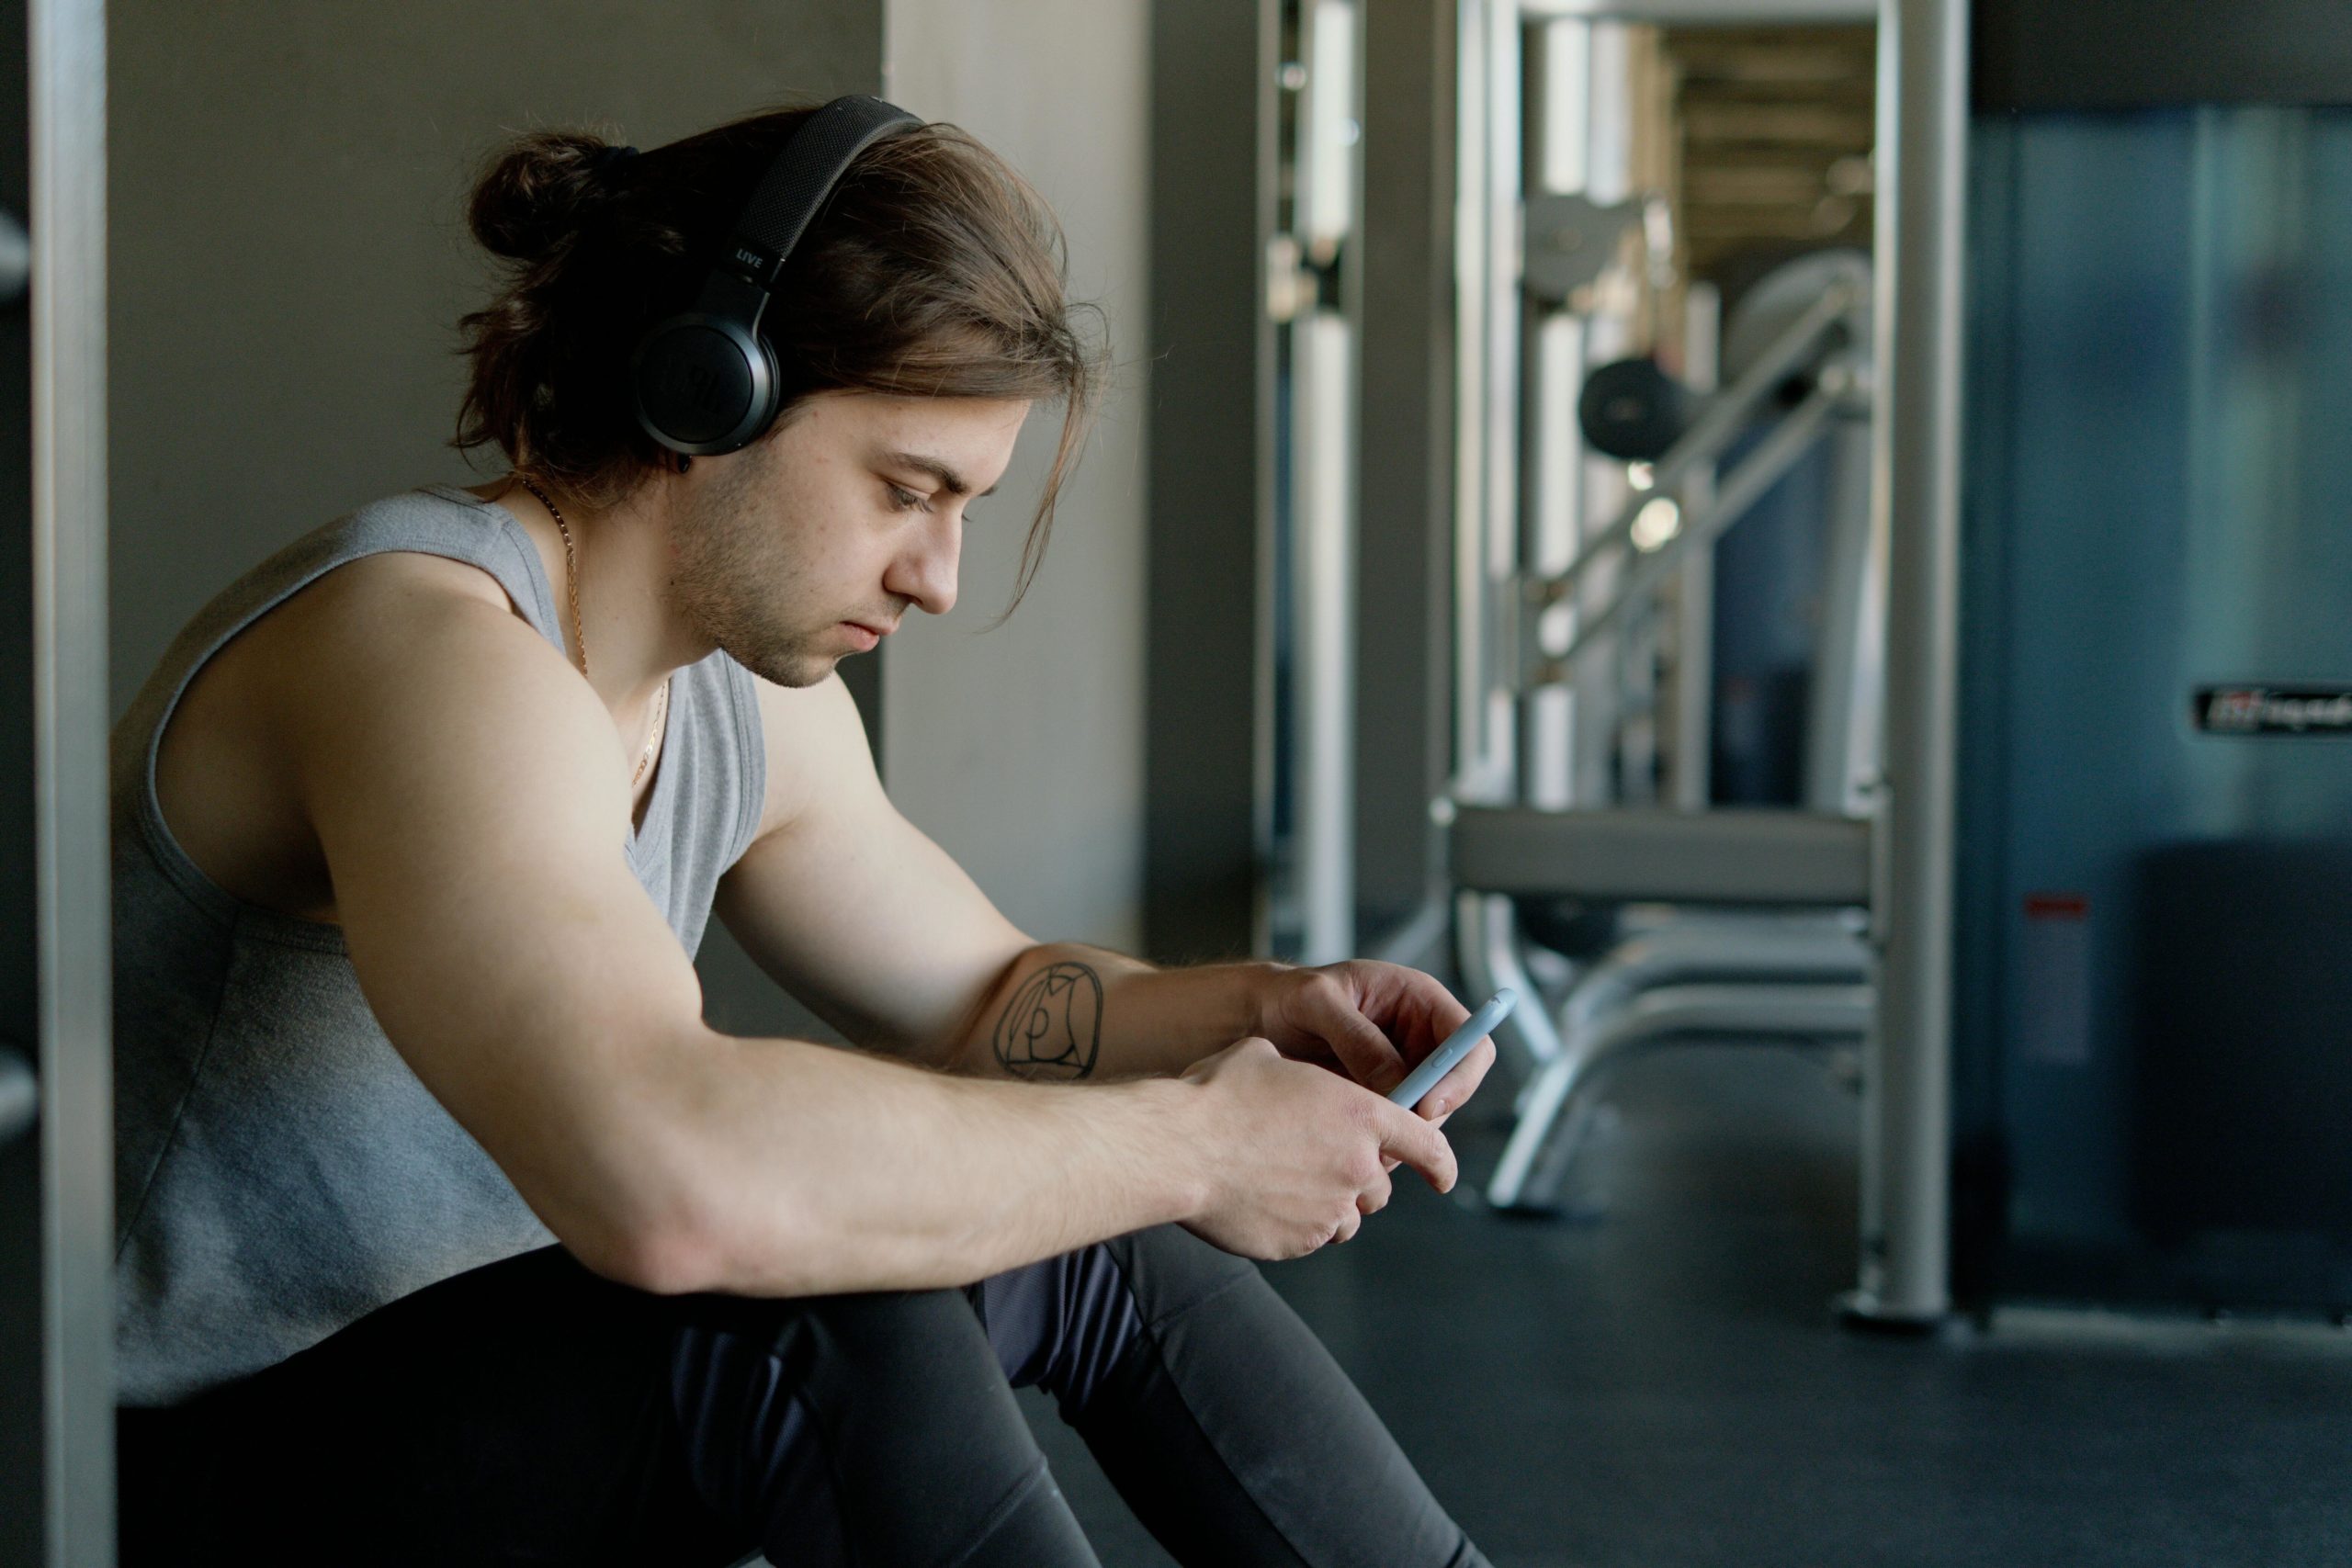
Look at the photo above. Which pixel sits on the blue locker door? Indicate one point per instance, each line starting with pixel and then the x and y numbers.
pixel 2159 535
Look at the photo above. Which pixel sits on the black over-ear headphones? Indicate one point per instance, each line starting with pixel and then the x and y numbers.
pixel 706 379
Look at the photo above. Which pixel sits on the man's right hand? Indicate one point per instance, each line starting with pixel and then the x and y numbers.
pixel 1298 1156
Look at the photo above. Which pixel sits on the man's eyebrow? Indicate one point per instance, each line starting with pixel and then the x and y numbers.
pixel 949 479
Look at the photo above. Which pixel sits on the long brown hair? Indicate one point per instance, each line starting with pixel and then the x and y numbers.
pixel 933 270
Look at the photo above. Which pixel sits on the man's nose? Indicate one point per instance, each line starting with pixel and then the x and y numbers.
pixel 924 572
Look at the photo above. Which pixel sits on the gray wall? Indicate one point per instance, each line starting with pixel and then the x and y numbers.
pixel 1020 748
pixel 289 260
pixel 289 257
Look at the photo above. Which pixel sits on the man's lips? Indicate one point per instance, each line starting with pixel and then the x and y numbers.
pixel 865 634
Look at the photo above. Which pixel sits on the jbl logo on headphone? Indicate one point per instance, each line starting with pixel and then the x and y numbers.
pixel 694 386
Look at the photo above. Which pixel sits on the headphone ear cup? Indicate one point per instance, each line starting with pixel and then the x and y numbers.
pixel 704 384
pixel 770 396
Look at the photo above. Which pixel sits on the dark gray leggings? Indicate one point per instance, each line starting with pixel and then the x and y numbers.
pixel 530 1412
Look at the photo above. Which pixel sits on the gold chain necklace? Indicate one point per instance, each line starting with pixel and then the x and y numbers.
pixel 579 636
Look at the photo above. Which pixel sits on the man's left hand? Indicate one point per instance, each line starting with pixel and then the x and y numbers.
pixel 1372 1023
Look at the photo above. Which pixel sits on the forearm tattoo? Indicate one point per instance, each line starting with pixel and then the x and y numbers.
pixel 1053 1026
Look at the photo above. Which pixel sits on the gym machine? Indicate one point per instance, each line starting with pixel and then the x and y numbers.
pixel 1826 922
pixel 1759 936
pixel 2099 885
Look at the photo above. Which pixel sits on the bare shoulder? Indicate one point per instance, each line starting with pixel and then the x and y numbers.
pixel 429 650
pixel 375 593
pixel 817 751
pixel 406 656
pixel 391 632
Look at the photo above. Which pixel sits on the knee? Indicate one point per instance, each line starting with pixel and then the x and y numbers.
pixel 1170 1271
pixel 881 1343
pixel 872 1371
pixel 803 1420
pixel 1066 1323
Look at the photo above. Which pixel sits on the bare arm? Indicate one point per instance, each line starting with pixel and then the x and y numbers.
pixel 1060 1013
pixel 855 911
pixel 471 799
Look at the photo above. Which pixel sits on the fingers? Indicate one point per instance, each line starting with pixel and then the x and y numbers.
pixel 1385 1001
pixel 1328 1009
pixel 1439 1011
pixel 1453 1089
pixel 1419 1144
pixel 1401 998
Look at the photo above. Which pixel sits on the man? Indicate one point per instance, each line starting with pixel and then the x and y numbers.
pixel 417 826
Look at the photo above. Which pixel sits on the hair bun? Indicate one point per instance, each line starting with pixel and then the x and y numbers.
pixel 531 197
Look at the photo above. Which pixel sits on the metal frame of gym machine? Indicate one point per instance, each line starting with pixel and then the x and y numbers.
pixel 1899 864
pixel 56 1108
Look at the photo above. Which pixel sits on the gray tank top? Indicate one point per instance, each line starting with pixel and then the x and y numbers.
pixel 279 1171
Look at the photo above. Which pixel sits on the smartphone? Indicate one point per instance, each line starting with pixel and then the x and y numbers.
pixel 1439 1062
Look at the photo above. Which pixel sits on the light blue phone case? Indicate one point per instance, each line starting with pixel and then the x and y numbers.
pixel 1439 1062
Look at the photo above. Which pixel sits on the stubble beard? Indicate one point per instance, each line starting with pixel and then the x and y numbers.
pixel 725 558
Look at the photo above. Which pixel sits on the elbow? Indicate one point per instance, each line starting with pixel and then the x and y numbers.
pixel 672 1191
pixel 661 1260
pixel 648 1222
pixel 690 1232
pixel 720 1248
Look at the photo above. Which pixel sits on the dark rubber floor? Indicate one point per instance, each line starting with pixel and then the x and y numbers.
pixel 1662 1382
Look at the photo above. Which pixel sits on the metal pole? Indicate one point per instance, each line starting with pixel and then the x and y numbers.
pixel 1323 345
pixel 1691 761
pixel 1552 464
pixel 1487 416
pixel 1473 594
pixel 1923 131
pixel 1847 668
pixel 67 59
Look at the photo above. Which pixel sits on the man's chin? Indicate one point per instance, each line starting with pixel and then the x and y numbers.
pixel 794 666
pixel 801 670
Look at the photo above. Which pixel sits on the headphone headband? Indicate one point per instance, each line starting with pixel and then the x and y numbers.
pixel 811 162
pixel 706 379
